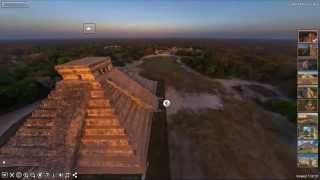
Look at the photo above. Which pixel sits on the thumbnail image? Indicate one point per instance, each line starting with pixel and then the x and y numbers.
pixel 307 146
pixel 307 132
pixel 308 36
pixel 307 65
pixel 308 119
pixel 308 50
pixel 307 92
pixel 307 79
pixel 307 105
pixel 307 160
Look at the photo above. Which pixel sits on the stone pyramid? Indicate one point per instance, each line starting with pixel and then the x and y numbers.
pixel 97 120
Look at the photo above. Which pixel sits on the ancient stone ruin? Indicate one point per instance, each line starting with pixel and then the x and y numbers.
pixel 97 120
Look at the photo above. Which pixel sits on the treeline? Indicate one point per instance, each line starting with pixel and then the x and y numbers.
pixel 252 63
pixel 277 69
pixel 27 68
pixel 27 71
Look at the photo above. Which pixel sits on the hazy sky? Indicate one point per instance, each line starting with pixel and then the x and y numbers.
pixel 151 18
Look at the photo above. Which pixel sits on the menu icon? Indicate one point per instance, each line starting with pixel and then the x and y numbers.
pixel 4 175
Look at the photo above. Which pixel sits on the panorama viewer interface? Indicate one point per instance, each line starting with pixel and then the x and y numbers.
pixel 159 89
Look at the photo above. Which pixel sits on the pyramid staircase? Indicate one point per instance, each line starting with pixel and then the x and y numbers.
pixel 104 144
pixel 96 121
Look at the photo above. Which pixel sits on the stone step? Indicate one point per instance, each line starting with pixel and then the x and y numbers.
pixel 25 162
pixel 39 122
pixel 119 162
pixel 89 131
pixel 97 94
pixel 95 85
pixel 102 121
pixel 34 131
pixel 55 94
pixel 27 152
pixel 106 151
pixel 115 140
pixel 107 161
pixel 30 141
pixel 55 98
pixel 103 127
pixel 50 104
pixel 40 113
pixel 99 112
pixel 110 170
pixel 98 102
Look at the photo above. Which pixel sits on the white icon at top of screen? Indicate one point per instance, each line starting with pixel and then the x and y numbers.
pixel 89 28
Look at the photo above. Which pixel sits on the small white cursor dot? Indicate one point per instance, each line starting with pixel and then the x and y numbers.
pixel 166 103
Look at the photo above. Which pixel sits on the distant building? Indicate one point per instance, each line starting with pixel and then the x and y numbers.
pixel 189 49
pixel 162 52
pixel 112 47
pixel 173 50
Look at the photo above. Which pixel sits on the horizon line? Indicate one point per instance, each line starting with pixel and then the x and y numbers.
pixel 114 38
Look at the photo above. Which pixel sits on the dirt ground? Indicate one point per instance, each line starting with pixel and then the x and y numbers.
pixel 218 132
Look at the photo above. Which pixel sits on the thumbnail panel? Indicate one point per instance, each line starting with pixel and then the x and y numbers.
pixel 305 64
pixel 307 99
pixel 307 160
pixel 307 146
pixel 308 36
pixel 307 92
pixel 307 78
pixel 307 105
pixel 308 119
pixel 307 132
pixel 307 50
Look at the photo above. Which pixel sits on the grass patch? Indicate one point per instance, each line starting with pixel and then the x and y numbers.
pixel 307 151
pixel 167 69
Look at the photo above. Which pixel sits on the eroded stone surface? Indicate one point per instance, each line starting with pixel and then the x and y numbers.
pixel 96 121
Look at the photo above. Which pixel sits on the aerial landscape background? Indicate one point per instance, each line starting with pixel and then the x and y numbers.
pixel 231 78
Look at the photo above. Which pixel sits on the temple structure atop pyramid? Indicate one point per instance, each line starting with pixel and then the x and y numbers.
pixel 97 120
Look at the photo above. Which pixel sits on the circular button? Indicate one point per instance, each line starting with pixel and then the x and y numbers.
pixel 166 103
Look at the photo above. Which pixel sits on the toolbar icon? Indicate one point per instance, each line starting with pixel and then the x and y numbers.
pixel 60 175
pixel 39 175
pixel 32 175
pixel 75 175
pixel 18 175
pixel 4 175
pixel 26 175
pixel 11 175
pixel 67 175
pixel 166 103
